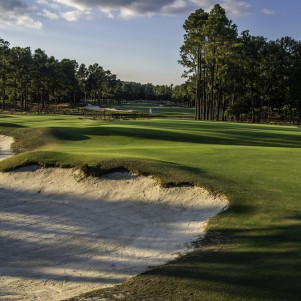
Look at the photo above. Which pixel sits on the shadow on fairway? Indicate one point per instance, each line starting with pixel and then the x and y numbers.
pixel 11 125
pixel 270 270
pixel 203 135
pixel 68 134
pixel 230 264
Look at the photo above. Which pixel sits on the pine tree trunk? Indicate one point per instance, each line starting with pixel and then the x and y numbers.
pixel 198 86
pixel 204 95
pixel 224 109
pixel 299 114
pixel 218 106
pixel 3 98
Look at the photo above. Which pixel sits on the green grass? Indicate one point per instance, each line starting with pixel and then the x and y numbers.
pixel 252 251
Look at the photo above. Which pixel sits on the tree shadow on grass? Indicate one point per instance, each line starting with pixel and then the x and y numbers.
pixel 265 265
pixel 188 132
pixel 230 264
pixel 11 125
pixel 68 134
pixel 218 137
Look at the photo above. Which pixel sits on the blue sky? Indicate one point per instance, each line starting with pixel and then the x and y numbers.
pixel 137 40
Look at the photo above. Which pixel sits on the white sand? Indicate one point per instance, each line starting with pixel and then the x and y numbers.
pixel 98 108
pixel 5 144
pixel 91 107
pixel 62 234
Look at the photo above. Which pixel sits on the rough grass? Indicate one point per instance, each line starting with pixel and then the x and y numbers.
pixel 251 252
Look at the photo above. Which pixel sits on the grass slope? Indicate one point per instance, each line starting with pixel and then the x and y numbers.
pixel 251 252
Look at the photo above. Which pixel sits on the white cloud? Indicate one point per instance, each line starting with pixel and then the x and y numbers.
pixel 18 13
pixel 26 21
pixel 127 8
pixel 49 15
pixel 127 13
pixel 236 8
pixel 48 3
pixel 78 5
pixel 75 15
pixel 267 11
pixel 107 11
pixel 205 4
pixel 177 7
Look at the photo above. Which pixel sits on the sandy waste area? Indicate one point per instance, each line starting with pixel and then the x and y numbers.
pixel 62 234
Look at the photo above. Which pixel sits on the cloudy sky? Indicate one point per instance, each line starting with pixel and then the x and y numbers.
pixel 137 40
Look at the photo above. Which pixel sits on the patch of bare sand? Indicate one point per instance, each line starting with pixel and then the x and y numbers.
pixel 5 147
pixel 63 234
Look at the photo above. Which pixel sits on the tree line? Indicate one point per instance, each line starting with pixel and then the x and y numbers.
pixel 35 80
pixel 231 76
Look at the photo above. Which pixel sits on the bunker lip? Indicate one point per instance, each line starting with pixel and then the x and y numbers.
pixel 63 234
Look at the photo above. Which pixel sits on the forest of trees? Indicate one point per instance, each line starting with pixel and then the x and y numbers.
pixel 34 79
pixel 231 76
pixel 228 76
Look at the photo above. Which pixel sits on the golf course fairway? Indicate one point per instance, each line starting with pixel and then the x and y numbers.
pixel 252 251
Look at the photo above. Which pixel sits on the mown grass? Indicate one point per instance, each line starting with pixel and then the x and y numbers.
pixel 252 251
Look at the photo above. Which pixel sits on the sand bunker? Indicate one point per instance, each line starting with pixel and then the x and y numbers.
pixel 63 235
pixel 98 108
pixel 5 144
